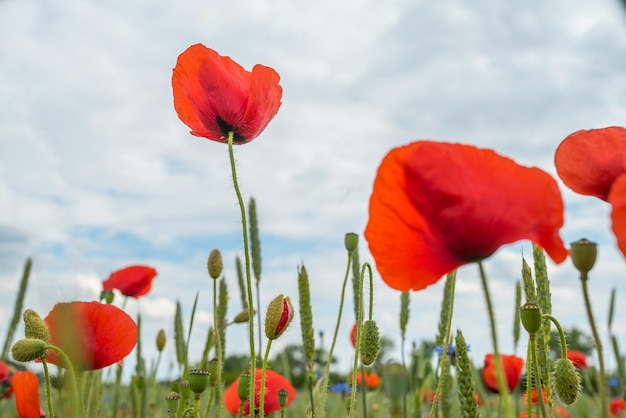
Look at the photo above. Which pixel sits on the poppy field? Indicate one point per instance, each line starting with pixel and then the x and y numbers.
pixel 435 206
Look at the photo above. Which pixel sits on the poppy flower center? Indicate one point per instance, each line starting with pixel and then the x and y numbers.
pixel 226 128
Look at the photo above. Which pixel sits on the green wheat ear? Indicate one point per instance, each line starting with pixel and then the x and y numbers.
pixel 179 337
pixel 255 243
pixel 404 313
pixel 356 282
pixel 222 308
pixel 444 317
pixel 467 393
pixel 241 283
pixel 306 317
pixel 516 318
pixel 19 305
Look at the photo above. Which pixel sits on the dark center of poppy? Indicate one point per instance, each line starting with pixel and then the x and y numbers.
pixel 226 128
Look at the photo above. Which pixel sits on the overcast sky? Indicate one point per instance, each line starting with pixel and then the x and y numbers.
pixel 97 172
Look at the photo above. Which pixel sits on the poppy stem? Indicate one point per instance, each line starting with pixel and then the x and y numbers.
pixel 596 337
pixel 322 408
pixel 78 405
pixel 246 252
pixel 446 344
pixel 263 368
pixel 535 366
pixel 48 394
pixel 502 386
pixel 218 349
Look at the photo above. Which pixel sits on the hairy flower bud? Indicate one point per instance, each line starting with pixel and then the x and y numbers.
pixel 370 342
pixel 351 242
pixel 278 317
pixel 160 340
pixel 567 384
pixel 35 327
pixel 242 317
pixel 215 264
pixel 29 349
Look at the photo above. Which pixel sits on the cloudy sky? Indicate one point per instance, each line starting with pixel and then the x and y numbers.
pixel 97 172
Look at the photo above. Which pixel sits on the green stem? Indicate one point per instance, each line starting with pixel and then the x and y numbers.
pixel 504 390
pixel 246 251
pixel 561 333
pixel 258 304
pixel 152 397
pixel 48 389
pixel 116 390
pixel 211 396
pixel 529 377
pixel 596 337
pixel 262 388
pixel 332 346
pixel 218 349
pixel 444 356
pixel 196 406
pixel 538 388
pixel 78 405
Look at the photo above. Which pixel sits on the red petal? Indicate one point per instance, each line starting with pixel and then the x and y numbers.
pixel 273 383
pixel 617 199
pixel 512 366
pixel 26 389
pixel 263 103
pixel 588 162
pixel 92 334
pixel 132 281
pixel 436 206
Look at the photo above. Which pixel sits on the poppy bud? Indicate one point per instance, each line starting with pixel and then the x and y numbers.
pixel 172 399
pixel 370 342
pixel 160 340
pixel 215 264
pixel 243 387
pixel 242 317
pixel 530 314
pixel 351 241
pixel 278 317
pixel 198 380
pixel 583 254
pixel 107 296
pixel 566 381
pixel 282 398
pixel 29 349
pixel 35 327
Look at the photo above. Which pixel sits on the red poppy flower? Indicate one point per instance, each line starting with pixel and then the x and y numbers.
pixel 132 281
pixel 372 380
pixel 617 406
pixel 578 358
pixel 92 334
pixel 512 365
pixel 26 387
pixel 353 335
pixel 273 383
pixel 214 95
pixel 6 376
pixel 588 162
pixel 436 206
pixel 534 399
pixel 617 199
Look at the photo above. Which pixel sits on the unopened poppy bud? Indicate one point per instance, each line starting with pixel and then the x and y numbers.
pixel 583 254
pixel 278 317
pixel 107 296
pixel 160 340
pixel 530 314
pixel 243 388
pixel 370 342
pixel 351 241
pixel 198 380
pixel 29 349
pixel 282 398
pixel 242 317
pixel 215 264
pixel 566 381
pixel 172 399
pixel 35 327
pixel 185 390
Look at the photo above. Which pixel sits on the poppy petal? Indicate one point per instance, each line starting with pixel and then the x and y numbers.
pixel 92 334
pixel 26 389
pixel 436 206
pixel 512 366
pixel 273 383
pixel 263 103
pixel 589 161
pixel 617 199
pixel 134 281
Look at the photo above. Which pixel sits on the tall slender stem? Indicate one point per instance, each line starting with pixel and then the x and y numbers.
pixel 332 345
pixel 535 365
pixel 504 390
pixel 218 348
pixel 78 402
pixel 48 394
pixel 246 251
pixel 604 401
pixel 262 389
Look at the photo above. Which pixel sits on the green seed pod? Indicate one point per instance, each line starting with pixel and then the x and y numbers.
pixel 282 398
pixel 185 390
pixel 370 343
pixel 583 254
pixel 198 380
pixel 212 367
pixel 215 264
pixel 351 241
pixel 530 314
pixel 243 388
pixel 29 349
pixel 35 327
pixel 172 399
pixel 160 340
pixel 567 384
